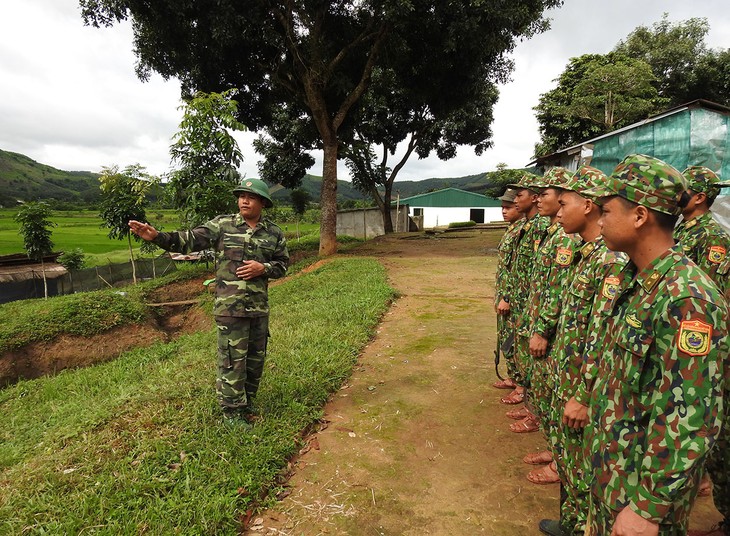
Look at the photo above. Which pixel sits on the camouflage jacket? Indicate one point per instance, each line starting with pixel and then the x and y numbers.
pixel 554 260
pixel 583 290
pixel 505 258
pixel 656 406
pixel 531 234
pixel 707 244
pixel 234 242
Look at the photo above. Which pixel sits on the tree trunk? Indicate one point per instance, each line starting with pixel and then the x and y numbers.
pixel 45 281
pixel 387 196
pixel 131 258
pixel 328 201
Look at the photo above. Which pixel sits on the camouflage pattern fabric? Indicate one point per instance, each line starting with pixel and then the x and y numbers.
pixel 532 233
pixel 241 354
pixel 595 262
pixel 707 244
pixel 503 284
pixel 234 242
pixel 703 179
pixel 656 407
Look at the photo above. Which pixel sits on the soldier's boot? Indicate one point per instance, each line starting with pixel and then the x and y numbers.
pixel 552 527
pixel 236 417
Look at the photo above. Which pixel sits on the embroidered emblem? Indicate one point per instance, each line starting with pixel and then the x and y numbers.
pixel 610 287
pixel 694 337
pixel 249 183
pixel 564 256
pixel 632 321
pixel 716 254
pixel 583 279
pixel 537 244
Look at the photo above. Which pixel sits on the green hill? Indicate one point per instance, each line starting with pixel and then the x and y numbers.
pixel 24 179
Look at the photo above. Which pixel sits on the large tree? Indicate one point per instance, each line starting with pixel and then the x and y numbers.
pixel 317 58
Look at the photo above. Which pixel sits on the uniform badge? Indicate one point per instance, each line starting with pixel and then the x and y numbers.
pixel 632 321
pixel 537 244
pixel 694 337
pixel 610 287
pixel 249 183
pixel 564 256
pixel 583 279
pixel 716 254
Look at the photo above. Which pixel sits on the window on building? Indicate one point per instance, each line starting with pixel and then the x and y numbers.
pixel 418 212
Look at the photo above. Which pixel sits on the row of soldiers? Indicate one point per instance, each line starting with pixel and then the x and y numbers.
pixel 613 321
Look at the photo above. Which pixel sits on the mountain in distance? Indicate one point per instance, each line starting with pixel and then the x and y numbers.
pixel 24 179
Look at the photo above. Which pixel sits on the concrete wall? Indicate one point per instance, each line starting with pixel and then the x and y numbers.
pixel 368 222
pixel 443 216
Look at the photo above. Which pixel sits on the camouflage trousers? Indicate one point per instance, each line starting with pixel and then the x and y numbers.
pixel 718 467
pixel 541 394
pixel 241 354
pixel 601 519
pixel 522 358
pixel 505 330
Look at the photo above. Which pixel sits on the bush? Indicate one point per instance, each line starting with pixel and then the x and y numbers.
pixel 458 224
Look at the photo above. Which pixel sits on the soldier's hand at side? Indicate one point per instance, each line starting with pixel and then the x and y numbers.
pixel 575 414
pixel 629 523
pixel 503 307
pixel 250 270
pixel 143 230
pixel 538 345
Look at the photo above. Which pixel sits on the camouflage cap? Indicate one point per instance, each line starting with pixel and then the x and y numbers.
pixel 647 181
pixel 528 181
pixel 702 179
pixel 508 196
pixel 556 177
pixel 586 179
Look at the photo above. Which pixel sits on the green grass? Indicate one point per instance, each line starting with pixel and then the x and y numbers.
pixel 137 445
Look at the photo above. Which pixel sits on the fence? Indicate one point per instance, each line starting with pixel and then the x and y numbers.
pixel 97 278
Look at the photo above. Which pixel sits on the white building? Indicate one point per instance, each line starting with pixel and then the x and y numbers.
pixel 442 207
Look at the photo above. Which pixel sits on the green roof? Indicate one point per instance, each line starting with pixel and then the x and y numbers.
pixel 450 197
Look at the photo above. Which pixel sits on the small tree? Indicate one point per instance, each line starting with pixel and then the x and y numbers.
pixel 35 227
pixel 72 260
pixel 124 198
pixel 300 202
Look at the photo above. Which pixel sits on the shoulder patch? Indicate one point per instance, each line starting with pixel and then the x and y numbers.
pixel 610 287
pixel 564 256
pixel 716 254
pixel 694 337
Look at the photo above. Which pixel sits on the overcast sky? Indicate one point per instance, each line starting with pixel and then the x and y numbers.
pixel 69 97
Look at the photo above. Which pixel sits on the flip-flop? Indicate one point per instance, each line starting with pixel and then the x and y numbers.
pixel 513 398
pixel 538 458
pixel 518 414
pixel 524 426
pixel 505 384
pixel 544 475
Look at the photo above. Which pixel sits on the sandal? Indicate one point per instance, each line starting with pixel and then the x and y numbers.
pixel 507 383
pixel 524 426
pixel 518 414
pixel 538 458
pixel 544 475
pixel 513 398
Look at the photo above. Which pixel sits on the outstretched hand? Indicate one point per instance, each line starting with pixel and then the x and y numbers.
pixel 143 230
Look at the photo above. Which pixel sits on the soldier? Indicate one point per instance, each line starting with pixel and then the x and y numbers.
pixel 531 234
pixel 505 257
pixel 250 251
pixel 594 263
pixel 701 237
pixel 655 409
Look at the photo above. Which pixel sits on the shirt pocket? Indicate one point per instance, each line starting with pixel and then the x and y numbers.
pixel 634 344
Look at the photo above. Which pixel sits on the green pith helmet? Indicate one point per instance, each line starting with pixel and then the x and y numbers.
pixel 255 186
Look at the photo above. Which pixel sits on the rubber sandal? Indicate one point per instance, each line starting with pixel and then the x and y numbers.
pixel 543 476
pixel 505 384
pixel 513 398
pixel 538 458
pixel 524 426
pixel 518 414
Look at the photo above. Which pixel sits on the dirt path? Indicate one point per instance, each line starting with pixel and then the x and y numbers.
pixel 417 442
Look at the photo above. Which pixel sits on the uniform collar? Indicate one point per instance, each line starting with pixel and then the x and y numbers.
pixel 650 276
pixel 238 221
pixel 702 218
pixel 589 247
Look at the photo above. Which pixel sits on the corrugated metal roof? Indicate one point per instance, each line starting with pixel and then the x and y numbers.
pixel 450 197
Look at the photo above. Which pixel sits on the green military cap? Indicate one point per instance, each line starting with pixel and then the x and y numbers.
pixel 528 181
pixel 556 177
pixel 508 196
pixel 585 179
pixel 255 186
pixel 647 181
pixel 703 179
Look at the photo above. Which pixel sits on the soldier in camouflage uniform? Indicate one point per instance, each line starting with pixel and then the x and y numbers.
pixel 530 236
pixel 594 262
pixel 701 237
pixel 505 257
pixel 655 409
pixel 250 251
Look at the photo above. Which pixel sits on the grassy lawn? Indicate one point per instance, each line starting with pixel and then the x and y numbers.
pixel 137 445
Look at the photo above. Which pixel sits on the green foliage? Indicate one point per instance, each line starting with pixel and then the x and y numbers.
pixel 208 156
pixel 300 202
pixel 124 197
pixel 137 444
pixel 35 228
pixel 461 224
pixel 499 179
pixel 73 259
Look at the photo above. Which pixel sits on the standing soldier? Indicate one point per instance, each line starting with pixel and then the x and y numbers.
pixel 531 234
pixel 251 250
pixel 506 249
pixel 655 409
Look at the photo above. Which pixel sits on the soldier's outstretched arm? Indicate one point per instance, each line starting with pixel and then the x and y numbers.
pixel 143 230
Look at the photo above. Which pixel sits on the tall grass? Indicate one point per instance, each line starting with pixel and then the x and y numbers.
pixel 137 446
